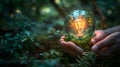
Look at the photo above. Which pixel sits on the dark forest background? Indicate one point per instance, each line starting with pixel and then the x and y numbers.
pixel 30 29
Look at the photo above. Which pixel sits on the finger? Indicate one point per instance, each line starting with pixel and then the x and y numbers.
pixel 99 34
pixel 62 38
pixel 105 42
pixel 63 43
pixel 116 51
pixel 69 52
pixel 110 51
pixel 93 40
pixel 75 48
pixel 66 49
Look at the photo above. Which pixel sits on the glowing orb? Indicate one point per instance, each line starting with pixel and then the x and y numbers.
pixel 80 23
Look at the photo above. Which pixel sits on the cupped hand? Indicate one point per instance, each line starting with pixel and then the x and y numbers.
pixel 70 48
pixel 106 45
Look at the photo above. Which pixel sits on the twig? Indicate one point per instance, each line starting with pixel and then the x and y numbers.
pixel 103 18
pixel 58 8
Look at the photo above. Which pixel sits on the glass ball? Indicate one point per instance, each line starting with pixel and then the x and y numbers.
pixel 79 23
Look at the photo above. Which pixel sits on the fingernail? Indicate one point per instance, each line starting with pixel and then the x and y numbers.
pixel 93 41
pixel 63 43
pixel 61 40
pixel 95 48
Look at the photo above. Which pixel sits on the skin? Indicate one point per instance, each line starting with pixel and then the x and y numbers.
pixel 105 43
pixel 70 48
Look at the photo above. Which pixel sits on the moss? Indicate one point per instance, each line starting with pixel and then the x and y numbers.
pixel 83 42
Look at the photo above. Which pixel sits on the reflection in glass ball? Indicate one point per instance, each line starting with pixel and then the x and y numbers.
pixel 79 23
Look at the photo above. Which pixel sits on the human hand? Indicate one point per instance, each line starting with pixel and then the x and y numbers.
pixel 70 48
pixel 106 45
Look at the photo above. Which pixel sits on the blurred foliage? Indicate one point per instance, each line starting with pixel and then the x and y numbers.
pixel 30 31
